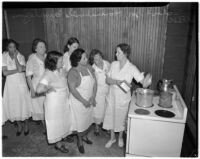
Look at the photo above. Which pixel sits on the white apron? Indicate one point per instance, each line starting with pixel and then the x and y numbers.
pixel 57 110
pixel 16 97
pixel 35 67
pixel 117 101
pixel 82 116
pixel 102 91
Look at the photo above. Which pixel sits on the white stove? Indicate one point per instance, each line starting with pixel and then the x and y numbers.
pixel 156 131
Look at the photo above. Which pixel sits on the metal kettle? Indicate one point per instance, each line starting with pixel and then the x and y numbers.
pixel 164 85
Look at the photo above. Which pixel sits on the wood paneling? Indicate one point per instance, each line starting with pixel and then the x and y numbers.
pixel 143 28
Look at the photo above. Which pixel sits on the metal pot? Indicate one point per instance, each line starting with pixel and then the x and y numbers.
pixel 144 97
pixel 165 85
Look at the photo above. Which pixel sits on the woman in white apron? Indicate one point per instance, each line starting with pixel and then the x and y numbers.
pixel 34 72
pixel 117 100
pixel 16 98
pixel 101 68
pixel 82 85
pixel 57 110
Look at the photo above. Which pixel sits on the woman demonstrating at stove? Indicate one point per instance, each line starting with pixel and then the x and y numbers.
pixel 121 70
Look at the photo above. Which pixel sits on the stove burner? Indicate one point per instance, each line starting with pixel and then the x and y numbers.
pixel 164 113
pixel 142 112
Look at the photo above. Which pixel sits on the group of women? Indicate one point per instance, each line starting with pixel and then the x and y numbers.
pixel 68 92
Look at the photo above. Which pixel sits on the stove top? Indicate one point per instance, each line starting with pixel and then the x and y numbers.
pixel 176 113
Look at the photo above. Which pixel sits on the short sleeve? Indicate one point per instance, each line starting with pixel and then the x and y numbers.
pixel 22 60
pixel 45 78
pixel 4 59
pixel 137 75
pixel 29 66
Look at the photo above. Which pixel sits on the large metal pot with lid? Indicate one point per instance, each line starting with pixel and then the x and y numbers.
pixel 144 97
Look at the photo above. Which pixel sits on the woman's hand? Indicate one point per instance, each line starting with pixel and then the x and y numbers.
pixel 15 54
pixel 118 82
pixel 86 103
pixel 92 101
pixel 147 81
pixel 51 89
pixel 33 94
pixel 20 69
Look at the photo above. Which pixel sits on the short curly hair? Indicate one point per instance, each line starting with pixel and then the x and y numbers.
pixel 70 42
pixel 52 60
pixel 125 48
pixel 76 56
pixel 35 43
pixel 92 54
pixel 9 41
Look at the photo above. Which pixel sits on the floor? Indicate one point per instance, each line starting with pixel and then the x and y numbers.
pixel 35 144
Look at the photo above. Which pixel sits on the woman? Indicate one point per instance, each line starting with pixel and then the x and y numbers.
pixel 72 44
pixel 117 100
pixel 34 72
pixel 16 97
pixel 101 68
pixel 83 86
pixel 57 110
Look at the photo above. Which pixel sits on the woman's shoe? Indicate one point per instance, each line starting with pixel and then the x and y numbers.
pixel 26 132
pixel 18 133
pixel 80 148
pixel 62 149
pixel 109 143
pixel 87 141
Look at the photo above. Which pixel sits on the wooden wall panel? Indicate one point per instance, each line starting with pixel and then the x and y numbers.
pixel 143 28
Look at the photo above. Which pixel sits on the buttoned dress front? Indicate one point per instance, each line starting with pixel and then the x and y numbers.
pixel 102 91
pixel 118 101
pixel 35 68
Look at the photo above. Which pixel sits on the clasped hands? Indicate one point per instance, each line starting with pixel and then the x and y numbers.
pixel 90 102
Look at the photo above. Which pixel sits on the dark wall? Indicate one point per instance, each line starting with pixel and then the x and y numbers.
pixel 24 27
pixel 177 42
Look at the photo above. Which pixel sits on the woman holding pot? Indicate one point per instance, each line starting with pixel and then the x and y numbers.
pixel 121 71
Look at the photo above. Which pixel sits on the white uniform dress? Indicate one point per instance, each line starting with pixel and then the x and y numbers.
pixel 35 68
pixel 102 91
pixel 82 116
pixel 118 101
pixel 66 61
pixel 16 97
pixel 57 109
